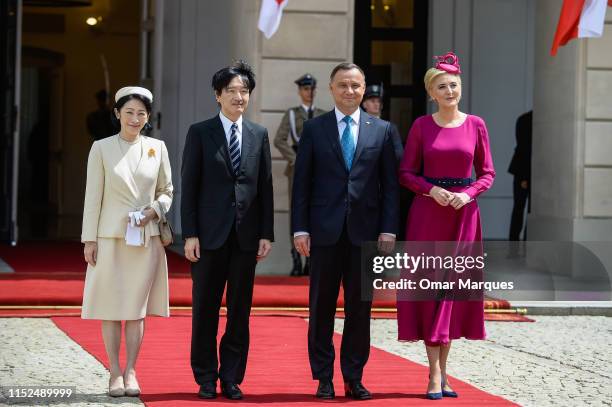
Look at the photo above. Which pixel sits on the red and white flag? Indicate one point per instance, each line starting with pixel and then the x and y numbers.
pixel 270 16
pixel 580 19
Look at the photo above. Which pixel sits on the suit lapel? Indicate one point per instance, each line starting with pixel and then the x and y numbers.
pixel 365 126
pixel 331 129
pixel 151 155
pixel 144 157
pixel 247 143
pixel 218 136
pixel 123 169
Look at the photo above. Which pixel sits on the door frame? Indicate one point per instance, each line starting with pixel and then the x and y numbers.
pixel 364 35
pixel 151 55
pixel 10 160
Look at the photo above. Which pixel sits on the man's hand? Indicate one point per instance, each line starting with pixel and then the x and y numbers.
pixel 386 243
pixel 192 249
pixel 459 200
pixel 441 195
pixel 524 184
pixel 90 251
pixel 265 246
pixel 302 244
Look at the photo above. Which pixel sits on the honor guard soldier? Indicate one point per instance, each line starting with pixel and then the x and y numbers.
pixel 287 139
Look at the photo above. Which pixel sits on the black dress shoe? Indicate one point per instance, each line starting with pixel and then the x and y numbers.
pixel 208 390
pixel 357 391
pixel 325 390
pixel 231 391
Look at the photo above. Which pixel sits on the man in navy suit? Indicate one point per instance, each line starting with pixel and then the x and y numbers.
pixel 345 193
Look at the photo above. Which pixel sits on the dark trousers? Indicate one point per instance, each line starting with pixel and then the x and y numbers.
pixel 521 195
pixel 329 265
pixel 236 267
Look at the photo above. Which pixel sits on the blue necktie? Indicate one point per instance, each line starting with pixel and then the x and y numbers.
pixel 347 143
pixel 234 149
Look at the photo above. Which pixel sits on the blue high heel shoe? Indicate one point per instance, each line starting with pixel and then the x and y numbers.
pixel 448 393
pixel 434 396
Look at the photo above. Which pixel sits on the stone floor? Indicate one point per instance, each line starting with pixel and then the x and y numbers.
pixel 556 361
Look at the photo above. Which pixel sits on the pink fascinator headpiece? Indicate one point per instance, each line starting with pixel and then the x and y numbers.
pixel 448 62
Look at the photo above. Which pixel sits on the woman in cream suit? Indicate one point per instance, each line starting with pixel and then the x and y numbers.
pixel 127 172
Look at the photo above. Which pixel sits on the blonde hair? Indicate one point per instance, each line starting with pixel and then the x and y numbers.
pixel 433 73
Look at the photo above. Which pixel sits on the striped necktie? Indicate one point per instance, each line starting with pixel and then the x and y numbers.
pixel 234 149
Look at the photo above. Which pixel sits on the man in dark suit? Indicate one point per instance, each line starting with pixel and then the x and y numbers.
pixel 345 193
pixel 227 222
pixel 520 167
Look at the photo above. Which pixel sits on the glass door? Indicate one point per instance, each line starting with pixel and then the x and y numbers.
pixel 390 44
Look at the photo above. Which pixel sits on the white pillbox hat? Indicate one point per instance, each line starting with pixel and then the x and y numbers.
pixel 133 90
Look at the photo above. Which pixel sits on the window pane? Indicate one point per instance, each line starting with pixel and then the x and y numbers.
pixel 398 55
pixel 392 13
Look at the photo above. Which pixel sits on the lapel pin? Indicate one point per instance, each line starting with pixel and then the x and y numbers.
pixel 151 152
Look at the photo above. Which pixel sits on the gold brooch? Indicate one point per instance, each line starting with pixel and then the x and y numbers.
pixel 151 152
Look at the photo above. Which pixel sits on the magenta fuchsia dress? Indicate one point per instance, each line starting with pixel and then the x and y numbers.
pixel 438 152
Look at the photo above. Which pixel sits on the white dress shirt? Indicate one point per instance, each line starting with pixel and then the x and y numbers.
pixel 227 127
pixel 355 116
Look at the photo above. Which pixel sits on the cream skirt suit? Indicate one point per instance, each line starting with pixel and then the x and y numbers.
pixel 127 282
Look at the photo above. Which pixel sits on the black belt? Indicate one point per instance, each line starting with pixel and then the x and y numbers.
pixel 450 182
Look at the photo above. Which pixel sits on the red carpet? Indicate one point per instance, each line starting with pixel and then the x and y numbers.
pixel 67 289
pixel 62 257
pixel 56 256
pixel 278 370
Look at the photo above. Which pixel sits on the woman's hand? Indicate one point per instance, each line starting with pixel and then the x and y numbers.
pixel 149 215
pixel 459 200
pixel 441 195
pixel 90 251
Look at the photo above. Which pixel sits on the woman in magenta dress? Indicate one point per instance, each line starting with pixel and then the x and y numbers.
pixel 440 153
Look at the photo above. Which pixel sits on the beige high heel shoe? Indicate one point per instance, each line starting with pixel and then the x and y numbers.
pixel 116 388
pixel 132 389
